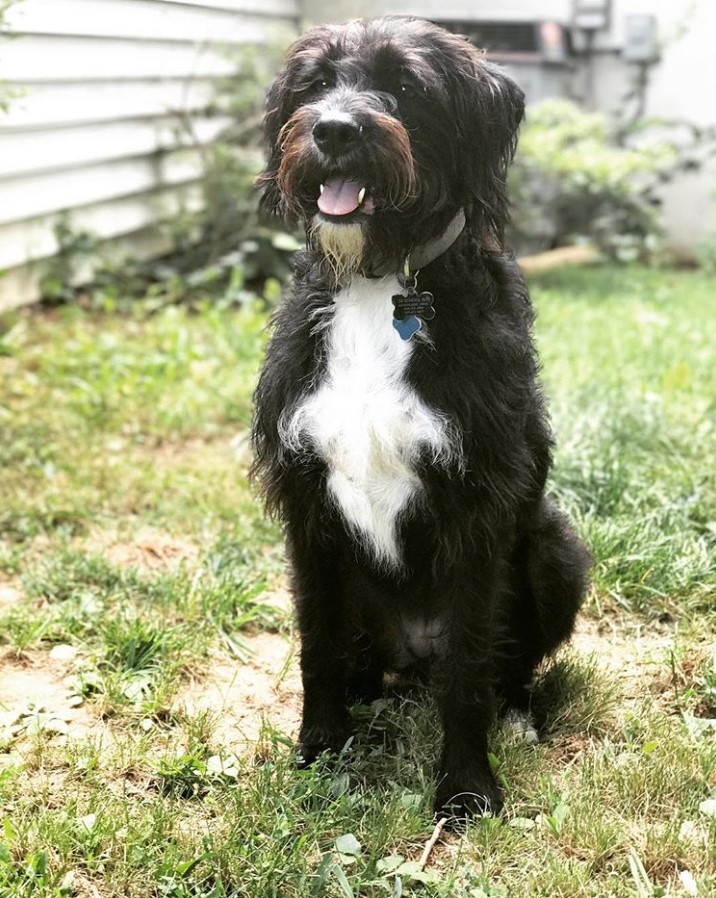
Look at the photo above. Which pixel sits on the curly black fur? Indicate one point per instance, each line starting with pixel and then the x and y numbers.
pixel 484 552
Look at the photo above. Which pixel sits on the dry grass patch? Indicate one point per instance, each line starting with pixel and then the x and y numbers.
pixel 10 593
pixel 150 549
pixel 37 696
pixel 635 654
pixel 244 698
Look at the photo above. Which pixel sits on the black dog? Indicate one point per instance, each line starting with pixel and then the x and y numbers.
pixel 400 433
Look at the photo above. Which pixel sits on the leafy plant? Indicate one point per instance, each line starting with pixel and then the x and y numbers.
pixel 77 252
pixel 577 176
pixel 706 251
pixel 226 232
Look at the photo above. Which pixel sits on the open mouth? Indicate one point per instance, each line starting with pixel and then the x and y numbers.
pixel 341 198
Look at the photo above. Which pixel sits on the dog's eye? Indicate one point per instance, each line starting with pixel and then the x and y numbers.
pixel 319 84
pixel 407 89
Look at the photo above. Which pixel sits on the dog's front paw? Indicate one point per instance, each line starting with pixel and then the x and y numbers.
pixel 311 745
pixel 307 753
pixel 459 799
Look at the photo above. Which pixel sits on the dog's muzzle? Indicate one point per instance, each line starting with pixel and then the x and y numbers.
pixel 345 157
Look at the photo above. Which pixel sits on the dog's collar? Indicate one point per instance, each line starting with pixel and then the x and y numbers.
pixel 413 307
pixel 425 253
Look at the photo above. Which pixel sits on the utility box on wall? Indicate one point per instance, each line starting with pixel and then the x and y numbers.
pixel 641 39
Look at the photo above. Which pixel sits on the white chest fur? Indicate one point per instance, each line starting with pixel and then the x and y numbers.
pixel 365 420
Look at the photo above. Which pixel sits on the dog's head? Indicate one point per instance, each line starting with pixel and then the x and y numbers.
pixel 380 131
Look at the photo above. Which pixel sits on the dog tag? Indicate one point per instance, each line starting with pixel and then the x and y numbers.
pixel 411 309
pixel 406 327
pixel 414 303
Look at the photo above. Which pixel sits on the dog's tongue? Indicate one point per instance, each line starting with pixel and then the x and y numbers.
pixel 339 196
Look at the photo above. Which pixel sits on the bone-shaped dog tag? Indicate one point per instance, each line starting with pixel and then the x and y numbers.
pixel 414 303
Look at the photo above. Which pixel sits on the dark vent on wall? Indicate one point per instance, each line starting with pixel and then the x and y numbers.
pixel 544 41
pixel 504 37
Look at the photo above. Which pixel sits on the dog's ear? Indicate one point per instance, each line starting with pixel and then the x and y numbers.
pixel 490 107
pixel 283 98
pixel 275 116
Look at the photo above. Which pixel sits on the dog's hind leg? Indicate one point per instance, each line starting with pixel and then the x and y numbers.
pixel 557 571
pixel 550 568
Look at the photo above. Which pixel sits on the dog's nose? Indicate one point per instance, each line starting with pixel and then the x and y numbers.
pixel 336 135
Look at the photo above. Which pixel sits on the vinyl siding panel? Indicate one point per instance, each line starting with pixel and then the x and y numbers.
pixel 144 19
pixel 45 106
pixel 27 153
pixel 41 58
pixel 106 219
pixel 94 128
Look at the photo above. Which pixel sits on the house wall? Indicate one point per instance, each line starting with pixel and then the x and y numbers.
pixel 93 129
pixel 506 10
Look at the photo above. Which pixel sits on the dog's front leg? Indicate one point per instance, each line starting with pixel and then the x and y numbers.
pixel 322 626
pixel 466 785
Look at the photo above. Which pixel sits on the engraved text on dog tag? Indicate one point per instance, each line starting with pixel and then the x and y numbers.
pixel 420 304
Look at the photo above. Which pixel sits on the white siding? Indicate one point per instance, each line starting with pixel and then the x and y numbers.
pixel 94 126
pixel 442 10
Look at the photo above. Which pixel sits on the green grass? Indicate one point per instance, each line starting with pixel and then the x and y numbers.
pixel 636 426
pixel 129 531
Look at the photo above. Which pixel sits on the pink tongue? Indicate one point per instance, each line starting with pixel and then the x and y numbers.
pixel 339 197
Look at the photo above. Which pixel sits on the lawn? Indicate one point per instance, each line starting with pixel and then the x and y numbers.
pixel 148 683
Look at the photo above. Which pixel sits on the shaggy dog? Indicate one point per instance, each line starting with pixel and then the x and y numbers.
pixel 400 433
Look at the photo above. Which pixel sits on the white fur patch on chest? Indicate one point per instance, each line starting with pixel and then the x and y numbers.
pixel 364 419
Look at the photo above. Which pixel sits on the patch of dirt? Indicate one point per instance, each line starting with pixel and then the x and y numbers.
pixel 37 693
pixel 558 258
pixel 277 595
pixel 10 593
pixel 267 688
pixel 150 549
pixel 243 696
pixel 194 450
pixel 628 649
pixel 81 886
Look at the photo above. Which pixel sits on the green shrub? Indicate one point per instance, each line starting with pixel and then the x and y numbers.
pixel 706 250
pixel 578 178
pixel 706 253
pixel 228 219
